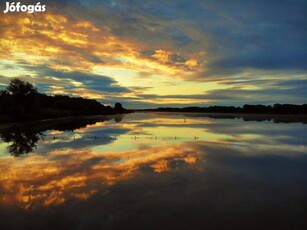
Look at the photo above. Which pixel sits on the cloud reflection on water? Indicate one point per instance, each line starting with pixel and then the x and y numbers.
pixel 248 170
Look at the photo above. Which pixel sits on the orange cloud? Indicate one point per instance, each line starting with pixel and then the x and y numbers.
pixel 49 180
pixel 70 44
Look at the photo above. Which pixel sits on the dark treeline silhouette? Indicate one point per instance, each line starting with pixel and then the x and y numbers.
pixel 246 109
pixel 22 102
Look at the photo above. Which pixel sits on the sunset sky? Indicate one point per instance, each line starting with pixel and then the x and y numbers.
pixel 146 53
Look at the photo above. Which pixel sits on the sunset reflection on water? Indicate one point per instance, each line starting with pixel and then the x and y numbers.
pixel 213 165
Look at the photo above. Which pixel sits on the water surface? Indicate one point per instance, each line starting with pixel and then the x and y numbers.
pixel 153 171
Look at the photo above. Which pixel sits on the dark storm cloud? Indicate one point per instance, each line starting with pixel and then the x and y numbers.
pixel 261 96
pixel 235 34
pixel 261 35
pixel 297 83
pixel 88 80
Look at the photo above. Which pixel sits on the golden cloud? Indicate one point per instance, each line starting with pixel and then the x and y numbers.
pixel 71 44
pixel 49 180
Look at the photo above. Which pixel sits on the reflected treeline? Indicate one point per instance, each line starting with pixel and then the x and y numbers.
pixel 256 117
pixel 118 118
pixel 24 137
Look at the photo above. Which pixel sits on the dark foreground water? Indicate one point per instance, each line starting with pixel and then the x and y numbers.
pixel 153 171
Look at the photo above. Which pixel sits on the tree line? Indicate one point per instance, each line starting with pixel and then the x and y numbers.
pixel 247 109
pixel 21 101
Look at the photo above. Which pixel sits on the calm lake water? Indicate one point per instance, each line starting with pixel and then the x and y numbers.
pixel 154 171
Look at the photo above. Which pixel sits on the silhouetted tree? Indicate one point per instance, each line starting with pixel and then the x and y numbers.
pixel 3 93
pixel 22 102
pixel 118 108
pixel 22 88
